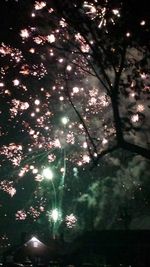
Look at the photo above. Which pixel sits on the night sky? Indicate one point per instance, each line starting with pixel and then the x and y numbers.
pixel 56 117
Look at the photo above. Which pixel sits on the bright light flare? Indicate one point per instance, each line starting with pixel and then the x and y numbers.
pixel 55 215
pixel 47 173
pixel 64 120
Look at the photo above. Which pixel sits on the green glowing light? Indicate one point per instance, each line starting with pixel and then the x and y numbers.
pixel 47 173
pixel 64 120
pixel 55 215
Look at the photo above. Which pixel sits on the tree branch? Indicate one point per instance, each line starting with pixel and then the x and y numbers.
pixel 135 149
pixel 80 118
pixel 103 153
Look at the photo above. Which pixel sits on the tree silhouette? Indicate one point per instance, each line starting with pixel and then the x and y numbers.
pixel 118 56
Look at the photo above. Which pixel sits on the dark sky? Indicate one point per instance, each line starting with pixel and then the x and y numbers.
pixel 13 16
